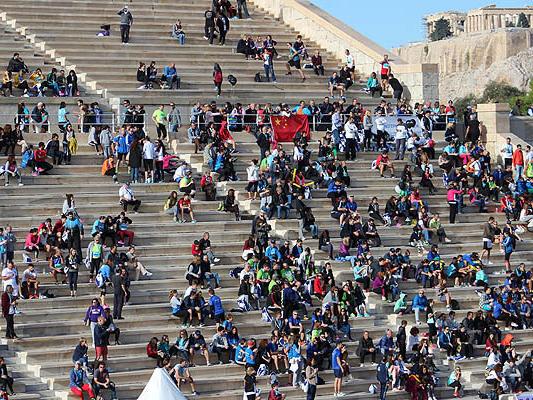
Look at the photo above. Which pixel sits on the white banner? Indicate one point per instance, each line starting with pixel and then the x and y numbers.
pixel 392 122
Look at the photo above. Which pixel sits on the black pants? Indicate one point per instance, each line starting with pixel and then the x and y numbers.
pixel 367 139
pixel 43 165
pixel 350 149
pixel 453 211
pixel 98 388
pixel 125 33
pixel 10 326
pixel 8 381
pixel 319 69
pixel 135 203
pixel 220 352
pixel 311 392
pixel 73 280
pixel 161 131
pixel 365 353
pixel 222 37
pixel 118 304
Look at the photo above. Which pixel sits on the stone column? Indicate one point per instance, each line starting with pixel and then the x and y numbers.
pixel 496 122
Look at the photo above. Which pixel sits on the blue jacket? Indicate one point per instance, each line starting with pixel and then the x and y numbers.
pixel 444 339
pixel 216 303
pixel 78 378
pixel 420 301
pixel 169 71
pixel 272 253
pixel 382 373
pixel 386 343
pixel 332 187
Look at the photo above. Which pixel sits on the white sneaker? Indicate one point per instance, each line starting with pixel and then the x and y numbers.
pixel 362 365
pixel 341 394
pixel 216 259
pixel 148 274
pixel 21 184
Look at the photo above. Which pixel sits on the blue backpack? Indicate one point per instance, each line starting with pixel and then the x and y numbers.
pixel 27 156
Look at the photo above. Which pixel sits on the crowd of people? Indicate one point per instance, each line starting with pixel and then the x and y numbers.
pixel 310 309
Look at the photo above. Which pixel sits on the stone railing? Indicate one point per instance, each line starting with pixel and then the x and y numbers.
pixel 421 81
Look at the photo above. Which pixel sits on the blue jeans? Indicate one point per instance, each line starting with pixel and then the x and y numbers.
pixel 311 392
pixel 283 210
pixel 382 391
pixel 519 170
pixel 269 72
pixel 134 174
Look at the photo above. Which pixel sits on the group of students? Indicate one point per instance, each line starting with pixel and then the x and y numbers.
pixel 56 83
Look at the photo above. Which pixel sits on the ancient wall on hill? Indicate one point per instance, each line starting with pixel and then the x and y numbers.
pixel 469 51
pixel 467 63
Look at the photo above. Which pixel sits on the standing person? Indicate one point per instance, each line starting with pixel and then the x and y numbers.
pixel 174 118
pixel 518 162
pixel 101 339
pixel 385 71
pixel 507 153
pixel 294 61
pixel 242 9
pixel 336 365
pixel 10 244
pixel 148 160
pixel 350 132
pixel 453 197
pixel 94 311
pixel 222 23
pixel 400 137
pixel 268 66
pixel 120 292
pixel 382 375
pixel 250 380
pixel 79 382
pixel 126 21
pixel 160 119
pixel 9 307
pixel 311 374
pixel 218 78
pixel 397 88
pixel 72 271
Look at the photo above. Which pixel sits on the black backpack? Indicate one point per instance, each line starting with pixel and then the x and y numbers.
pixel 257 77
pixel 232 80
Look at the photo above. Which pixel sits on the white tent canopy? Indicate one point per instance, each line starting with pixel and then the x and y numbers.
pixel 161 387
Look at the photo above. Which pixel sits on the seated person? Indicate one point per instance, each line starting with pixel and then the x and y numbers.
pixel 373 86
pixel 334 83
pixel 101 381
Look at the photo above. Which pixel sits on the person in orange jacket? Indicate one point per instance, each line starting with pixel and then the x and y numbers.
pixel 108 168
pixel 518 162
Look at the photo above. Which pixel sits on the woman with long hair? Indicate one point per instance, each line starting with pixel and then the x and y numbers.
pixel 217 78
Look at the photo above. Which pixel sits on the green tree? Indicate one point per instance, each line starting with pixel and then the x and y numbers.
pixel 499 92
pixel 522 21
pixel 442 30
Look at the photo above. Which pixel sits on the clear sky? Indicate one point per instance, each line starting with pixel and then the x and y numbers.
pixel 391 23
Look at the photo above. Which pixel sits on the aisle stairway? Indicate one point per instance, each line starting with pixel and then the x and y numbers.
pixel 51 327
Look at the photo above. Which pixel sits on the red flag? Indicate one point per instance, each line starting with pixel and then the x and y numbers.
pixel 285 128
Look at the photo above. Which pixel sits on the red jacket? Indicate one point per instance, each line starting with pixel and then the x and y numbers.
pixel 150 352
pixel 5 304
pixel 518 157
